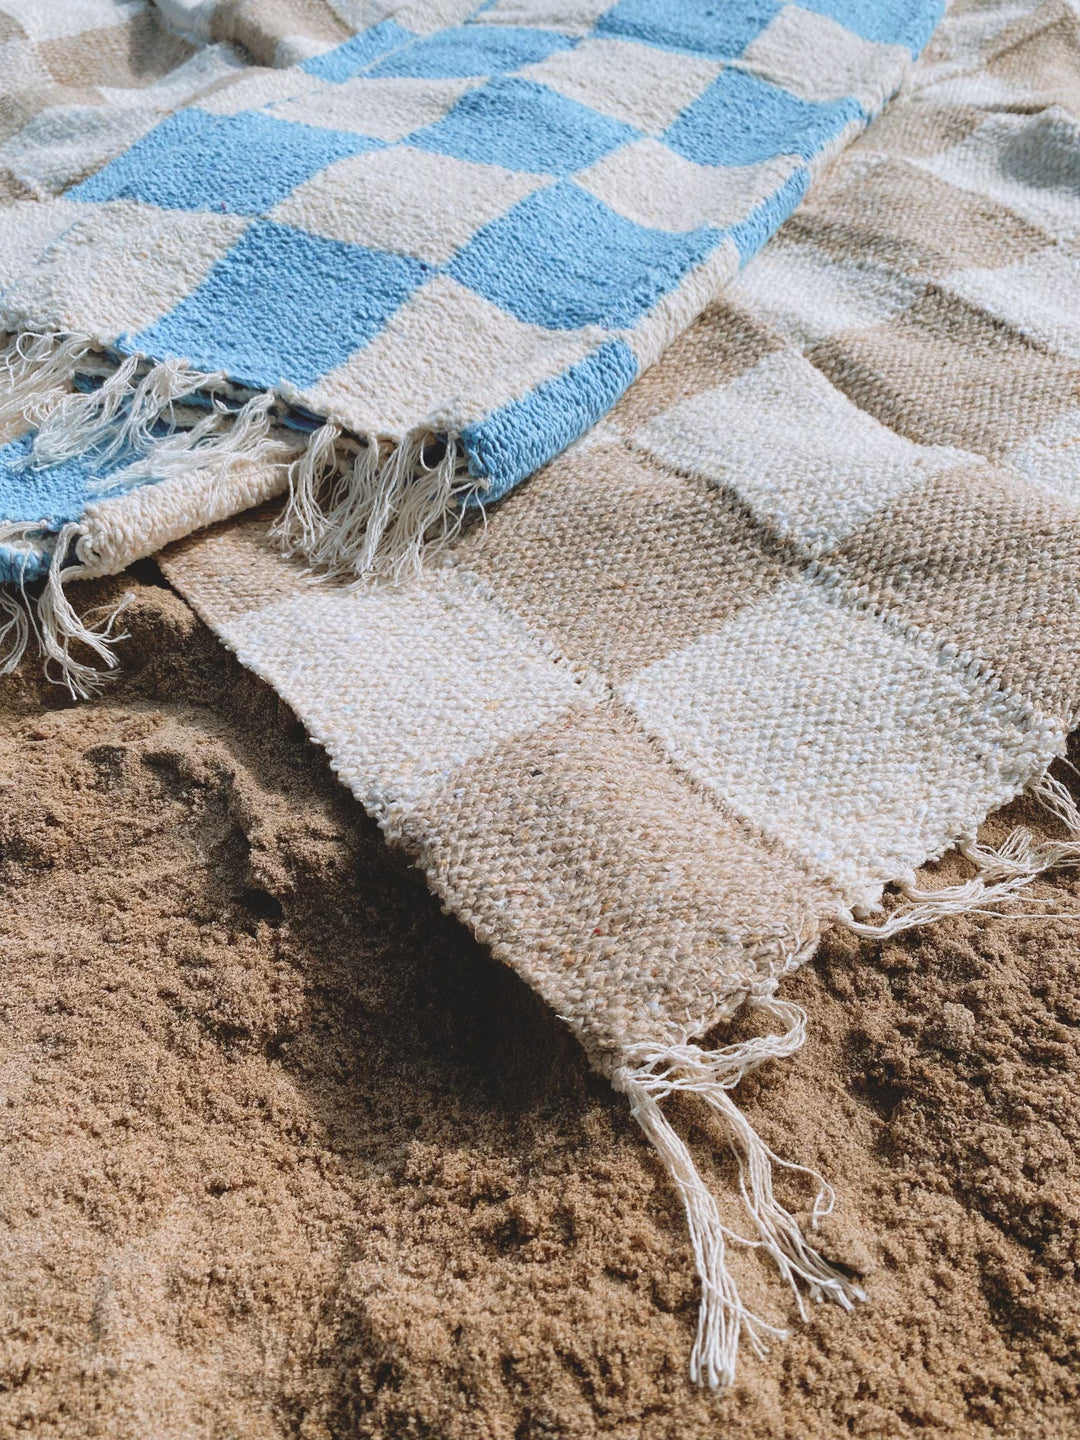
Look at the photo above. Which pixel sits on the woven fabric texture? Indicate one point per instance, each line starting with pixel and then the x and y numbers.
pixel 793 620
pixel 445 225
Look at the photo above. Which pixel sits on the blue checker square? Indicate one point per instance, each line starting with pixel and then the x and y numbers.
pixel 562 259
pixel 242 163
pixel 764 220
pixel 523 126
pixel 741 120
pixel 889 22
pixel 715 29
pixel 283 305
pixel 355 55
pixel 514 441
pixel 473 50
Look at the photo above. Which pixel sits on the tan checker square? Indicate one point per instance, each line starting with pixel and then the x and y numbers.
pixel 236 568
pixel 723 342
pixel 891 212
pixel 260 25
pixel 625 897
pixel 133 54
pixel 919 128
pixel 618 559
pixel 1040 55
pixel 943 373
pixel 991 564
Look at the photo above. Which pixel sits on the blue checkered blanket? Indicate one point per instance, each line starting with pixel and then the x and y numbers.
pixel 442 250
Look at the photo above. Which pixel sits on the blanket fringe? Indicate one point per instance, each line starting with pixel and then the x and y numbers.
pixel 1003 875
pixel 58 627
pixel 132 411
pixel 364 508
pixel 357 506
pixel 647 1076
pixel 36 373
pixel 49 618
pixel 14 630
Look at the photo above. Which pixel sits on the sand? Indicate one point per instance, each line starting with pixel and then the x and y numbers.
pixel 287 1153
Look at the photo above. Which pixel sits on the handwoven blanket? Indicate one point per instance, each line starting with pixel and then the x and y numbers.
pixel 794 619
pixel 790 620
pixel 425 246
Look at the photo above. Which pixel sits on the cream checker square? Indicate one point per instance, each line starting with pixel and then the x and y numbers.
pixel 648 183
pixel 410 201
pixel 834 733
pixel 638 84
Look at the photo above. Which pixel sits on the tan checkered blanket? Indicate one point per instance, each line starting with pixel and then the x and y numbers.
pixel 794 619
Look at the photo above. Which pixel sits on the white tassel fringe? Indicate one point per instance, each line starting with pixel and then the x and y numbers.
pixel 58 627
pixel 1004 875
pixel 50 619
pixel 378 512
pixel 650 1074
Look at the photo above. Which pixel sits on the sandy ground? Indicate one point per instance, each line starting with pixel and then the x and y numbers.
pixel 287 1154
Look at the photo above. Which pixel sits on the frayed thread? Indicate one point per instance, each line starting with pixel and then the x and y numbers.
pixel 58 627
pixel 15 629
pixel 1003 875
pixel 647 1076
pixel 36 373
pixel 361 508
pixel 46 615
pixel 358 505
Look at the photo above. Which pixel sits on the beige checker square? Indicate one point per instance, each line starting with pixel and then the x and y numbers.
pixel 622 894
pixel 386 108
pixel 278 32
pixel 649 183
pixel 122 266
pixel 794 449
pixel 989 563
pixel 402 684
pixel 638 84
pixel 187 84
pixel 851 744
pixel 421 369
pixel 1038 59
pixel 886 211
pixel 401 199
pixel 945 373
pixel 618 560
pixel 132 54
pixel 840 62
